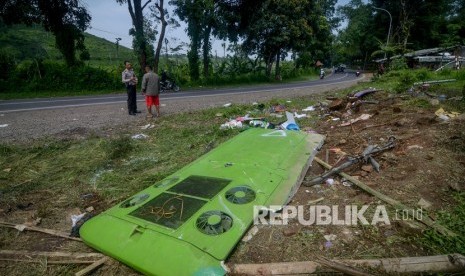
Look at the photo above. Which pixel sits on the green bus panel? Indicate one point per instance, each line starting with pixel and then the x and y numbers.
pixel 188 223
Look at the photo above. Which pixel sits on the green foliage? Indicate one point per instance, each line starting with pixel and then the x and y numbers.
pixel 30 43
pixel 66 19
pixel 454 221
pixel 41 75
pixel 398 64
pixel 405 81
pixel 7 63
pixel 424 74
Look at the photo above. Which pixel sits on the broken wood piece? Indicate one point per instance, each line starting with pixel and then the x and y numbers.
pixel 51 257
pixel 427 264
pixel 91 267
pixel 366 156
pixel 284 268
pixel 396 204
pixel 22 227
pixel 341 267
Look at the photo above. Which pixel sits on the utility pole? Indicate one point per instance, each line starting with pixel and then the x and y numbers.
pixel 117 45
pixel 390 24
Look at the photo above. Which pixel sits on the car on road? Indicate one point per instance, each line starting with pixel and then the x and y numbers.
pixel 340 68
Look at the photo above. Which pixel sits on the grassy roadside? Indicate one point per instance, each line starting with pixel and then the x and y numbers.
pixel 57 175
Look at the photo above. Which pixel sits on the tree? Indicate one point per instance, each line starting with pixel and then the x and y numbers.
pixel 456 24
pixel 272 28
pixel 423 23
pixel 358 40
pixel 277 26
pixel 136 8
pixel 162 16
pixel 66 19
pixel 191 11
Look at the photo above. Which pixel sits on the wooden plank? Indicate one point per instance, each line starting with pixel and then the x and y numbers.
pixel 38 229
pixel 91 267
pixel 49 257
pixel 397 204
pixel 341 267
pixel 429 264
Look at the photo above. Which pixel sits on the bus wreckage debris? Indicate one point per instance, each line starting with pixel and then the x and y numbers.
pixel 366 157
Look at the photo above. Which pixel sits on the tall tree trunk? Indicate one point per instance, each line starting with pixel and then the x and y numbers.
pixel 269 65
pixel 193 54
pixel 159 7
pixel 278 69
pixel 137 16
pixel 206 51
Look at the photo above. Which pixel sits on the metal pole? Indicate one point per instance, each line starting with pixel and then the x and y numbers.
pixel 390 24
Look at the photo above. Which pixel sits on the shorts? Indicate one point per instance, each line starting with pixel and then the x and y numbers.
pixel 152 100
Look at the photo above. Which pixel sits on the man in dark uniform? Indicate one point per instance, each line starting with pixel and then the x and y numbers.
pixel 130 80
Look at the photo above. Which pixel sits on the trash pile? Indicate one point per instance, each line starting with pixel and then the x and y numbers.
pixel 277 111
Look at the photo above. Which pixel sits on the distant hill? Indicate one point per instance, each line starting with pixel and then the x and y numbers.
pixel 26 42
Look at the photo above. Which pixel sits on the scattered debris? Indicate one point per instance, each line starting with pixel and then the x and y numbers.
pixel 424 219
pixel 147 126
pixel 315 201
pixel 231 124
pixel 329 238
pixel 76 218
pixel 291 231
pixel 252 232
pixel 346 183
pixel 363 93
pixel 336 104
pixel 140 136
pixel 4 125
pixel 423 203
pixel 298 116
pixel 78 221
pixel 444 115
pixel 7 170
pixel 227 105
pixel 329 181
pixel 309 108
pixel 290 124
pixel 278 108
pixel 262 124
pixel 414 147
pixel 362 117
pixel 366 156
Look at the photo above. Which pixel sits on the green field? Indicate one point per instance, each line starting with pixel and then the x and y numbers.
pixel 29 43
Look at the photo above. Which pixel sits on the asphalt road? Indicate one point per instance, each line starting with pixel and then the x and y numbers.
pixel 9 106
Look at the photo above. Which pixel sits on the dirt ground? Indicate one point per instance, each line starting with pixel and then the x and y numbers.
pixel 426 164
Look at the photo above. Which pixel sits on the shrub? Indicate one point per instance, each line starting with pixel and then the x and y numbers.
pixel 398 64
pixel 406 80
pixel 7 63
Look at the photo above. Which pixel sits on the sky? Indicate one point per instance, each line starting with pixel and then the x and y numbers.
pixel 111 20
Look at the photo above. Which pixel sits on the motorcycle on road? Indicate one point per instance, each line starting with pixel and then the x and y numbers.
pixel 169 85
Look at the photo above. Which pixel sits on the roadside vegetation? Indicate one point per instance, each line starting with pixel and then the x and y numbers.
pixel 49 177
pixel 34 68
